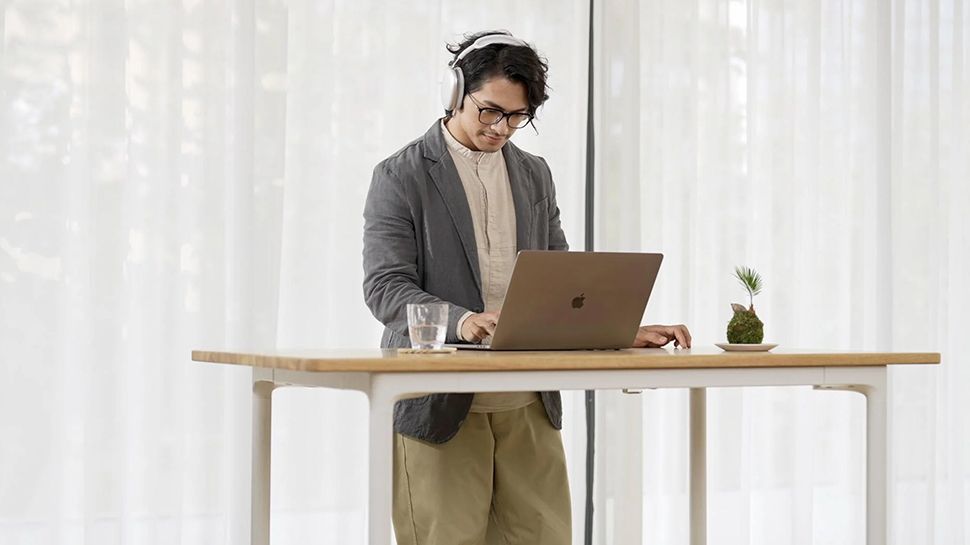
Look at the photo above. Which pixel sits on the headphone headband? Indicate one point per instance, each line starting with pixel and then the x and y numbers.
pixel 486 41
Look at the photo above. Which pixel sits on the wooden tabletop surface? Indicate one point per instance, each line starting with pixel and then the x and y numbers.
pixel 699 357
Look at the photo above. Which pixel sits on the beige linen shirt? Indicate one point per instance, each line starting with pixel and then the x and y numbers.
pixel 486 183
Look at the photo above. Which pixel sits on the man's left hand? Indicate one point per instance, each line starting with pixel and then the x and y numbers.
pixel 657 336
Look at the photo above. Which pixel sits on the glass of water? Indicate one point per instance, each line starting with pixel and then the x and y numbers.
pixel 427 324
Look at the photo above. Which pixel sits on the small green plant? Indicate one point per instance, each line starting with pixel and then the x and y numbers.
pixel 745 327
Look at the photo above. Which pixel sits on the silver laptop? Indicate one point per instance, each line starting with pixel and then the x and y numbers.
pixel 574 301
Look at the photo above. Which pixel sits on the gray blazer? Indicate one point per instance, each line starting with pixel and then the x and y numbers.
pixel 419 247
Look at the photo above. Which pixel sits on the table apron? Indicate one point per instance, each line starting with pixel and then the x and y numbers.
pixel 410 384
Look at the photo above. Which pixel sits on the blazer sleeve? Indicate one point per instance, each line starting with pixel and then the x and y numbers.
pixel 390 257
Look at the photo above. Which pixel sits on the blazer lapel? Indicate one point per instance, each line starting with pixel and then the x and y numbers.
pixel 521 197
pixel 445 177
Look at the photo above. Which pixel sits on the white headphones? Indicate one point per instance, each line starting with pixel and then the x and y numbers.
pixel 453 80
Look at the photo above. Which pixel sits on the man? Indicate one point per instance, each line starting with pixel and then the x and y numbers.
pixel 444 219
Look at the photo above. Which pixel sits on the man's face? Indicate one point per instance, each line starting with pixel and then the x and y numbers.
pixel 499 93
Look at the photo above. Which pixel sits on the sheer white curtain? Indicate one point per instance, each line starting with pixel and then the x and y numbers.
pixel 825 144
pixel 189 174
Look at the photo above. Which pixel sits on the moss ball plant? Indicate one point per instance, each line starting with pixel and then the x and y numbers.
pixel 745 327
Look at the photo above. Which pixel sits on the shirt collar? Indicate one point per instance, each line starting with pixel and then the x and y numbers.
pixel 459 148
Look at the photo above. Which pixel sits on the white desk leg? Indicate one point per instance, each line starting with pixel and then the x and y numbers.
pixel 380 456
pixel 698 466
pixel 875 386
pixel 877 459
pixel 262 438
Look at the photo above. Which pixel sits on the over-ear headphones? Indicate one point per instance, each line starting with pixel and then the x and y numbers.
pixel 453 82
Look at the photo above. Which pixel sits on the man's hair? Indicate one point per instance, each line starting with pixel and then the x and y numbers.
pixel 520 64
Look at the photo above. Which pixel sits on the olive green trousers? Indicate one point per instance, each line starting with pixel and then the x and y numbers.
pixel 500 481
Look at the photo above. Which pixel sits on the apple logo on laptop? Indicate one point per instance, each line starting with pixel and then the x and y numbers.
pixel 578 301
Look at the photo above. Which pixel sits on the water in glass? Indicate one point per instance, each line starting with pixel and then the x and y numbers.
pixel 427 336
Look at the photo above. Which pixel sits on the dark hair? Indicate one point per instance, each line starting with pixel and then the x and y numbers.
pixel 520 64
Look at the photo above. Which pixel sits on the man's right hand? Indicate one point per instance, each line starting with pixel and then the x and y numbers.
pixel 478 326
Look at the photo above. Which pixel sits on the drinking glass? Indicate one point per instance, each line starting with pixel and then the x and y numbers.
pixel 427 324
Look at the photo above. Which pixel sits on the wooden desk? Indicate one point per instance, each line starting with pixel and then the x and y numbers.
pixel 386 376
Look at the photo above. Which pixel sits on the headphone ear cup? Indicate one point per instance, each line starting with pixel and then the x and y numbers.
pixel 452 88
pixel 459 89
pixel 447 84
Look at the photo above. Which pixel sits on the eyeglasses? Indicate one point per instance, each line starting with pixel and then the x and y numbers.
pixel 494 116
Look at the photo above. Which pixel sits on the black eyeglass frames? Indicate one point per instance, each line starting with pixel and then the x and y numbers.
pixel 494 116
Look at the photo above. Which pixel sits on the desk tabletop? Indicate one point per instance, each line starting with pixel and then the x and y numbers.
pixel 699 357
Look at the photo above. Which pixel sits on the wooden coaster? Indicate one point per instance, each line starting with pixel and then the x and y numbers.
pixel 442 350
